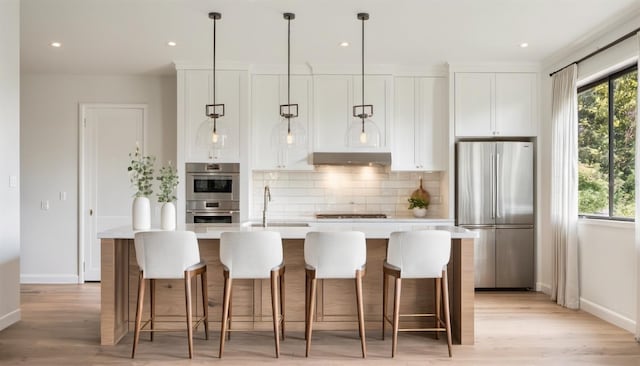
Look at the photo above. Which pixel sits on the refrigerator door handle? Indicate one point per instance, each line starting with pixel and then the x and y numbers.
pixel 497 193
pixel 493 190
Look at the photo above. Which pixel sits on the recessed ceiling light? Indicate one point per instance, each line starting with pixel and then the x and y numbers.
pixel 524 45
pixel 56 44
pixel 344 44
pixel 171 44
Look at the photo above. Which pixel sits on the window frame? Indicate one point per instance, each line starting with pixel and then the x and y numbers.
pixel 608 79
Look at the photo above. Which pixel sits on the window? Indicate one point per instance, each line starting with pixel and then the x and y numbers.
pixel 607 111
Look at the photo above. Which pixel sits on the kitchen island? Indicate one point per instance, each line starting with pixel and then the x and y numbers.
pixel 335 307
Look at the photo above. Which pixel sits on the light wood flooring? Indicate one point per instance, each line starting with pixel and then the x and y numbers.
pixel 60 326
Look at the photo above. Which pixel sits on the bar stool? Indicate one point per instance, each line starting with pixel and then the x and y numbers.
pixel 169 255
pixel 417 254
pixel 341 254
pixel 253 255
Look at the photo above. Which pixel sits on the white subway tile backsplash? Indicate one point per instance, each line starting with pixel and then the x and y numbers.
pixel 342 189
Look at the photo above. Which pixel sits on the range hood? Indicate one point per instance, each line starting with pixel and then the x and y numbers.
pixel 352 158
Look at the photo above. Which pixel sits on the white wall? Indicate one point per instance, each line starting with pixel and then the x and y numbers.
pixel 49 150
pixel 608 279
pixel 607 271
pixel 9 162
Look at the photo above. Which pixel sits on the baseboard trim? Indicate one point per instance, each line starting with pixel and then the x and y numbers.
pixel 608 315
pixel 9 319
pixel 543 287
pixel 48 279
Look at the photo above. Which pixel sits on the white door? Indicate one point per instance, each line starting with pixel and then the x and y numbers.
pixel 108 134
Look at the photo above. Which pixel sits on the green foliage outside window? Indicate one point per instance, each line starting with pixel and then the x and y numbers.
pixel 594 145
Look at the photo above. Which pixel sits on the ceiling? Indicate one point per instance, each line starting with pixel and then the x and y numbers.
pixel 130 36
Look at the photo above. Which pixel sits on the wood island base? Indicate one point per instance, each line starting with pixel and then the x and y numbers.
pixel 251 302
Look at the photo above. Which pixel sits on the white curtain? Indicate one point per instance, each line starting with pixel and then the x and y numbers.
pixel 564 188
pixel 637 194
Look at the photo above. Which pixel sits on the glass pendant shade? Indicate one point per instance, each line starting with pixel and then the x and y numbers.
pixel 207 139
pixel 363 134
pixel 289 133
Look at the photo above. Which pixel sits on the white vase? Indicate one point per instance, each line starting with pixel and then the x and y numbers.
pixel 168 216
pixel 419 212
pixel 141 213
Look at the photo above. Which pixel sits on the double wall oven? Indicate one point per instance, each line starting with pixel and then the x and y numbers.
pixel 212 193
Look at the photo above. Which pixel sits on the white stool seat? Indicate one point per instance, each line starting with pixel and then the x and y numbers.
pixel 417 254
pixel 169 255
pixel 253 255
pixel 328 255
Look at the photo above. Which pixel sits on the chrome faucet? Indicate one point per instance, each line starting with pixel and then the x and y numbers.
pixel 265 204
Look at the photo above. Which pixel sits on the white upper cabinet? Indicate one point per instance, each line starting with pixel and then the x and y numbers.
pixel 420 132
pixel 516 101
pixel 198 92
pixel 495 104
pixel 333 99
pixel 268 132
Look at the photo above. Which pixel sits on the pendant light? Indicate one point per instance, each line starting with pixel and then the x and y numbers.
pixel 215 111
pixel 363 131
pixel 290 132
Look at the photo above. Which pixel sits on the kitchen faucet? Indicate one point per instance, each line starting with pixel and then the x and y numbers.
pixel 265 204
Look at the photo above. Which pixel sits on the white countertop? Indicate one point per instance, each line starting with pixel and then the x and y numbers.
pixel 372 228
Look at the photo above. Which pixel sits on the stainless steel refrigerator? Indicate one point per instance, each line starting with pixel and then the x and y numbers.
pixel 494 191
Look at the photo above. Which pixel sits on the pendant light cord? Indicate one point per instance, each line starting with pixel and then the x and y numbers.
pixel 363 108
pixel 289 61
pixel 214 62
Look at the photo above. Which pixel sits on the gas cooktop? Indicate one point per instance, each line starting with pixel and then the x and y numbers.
pixel 351 216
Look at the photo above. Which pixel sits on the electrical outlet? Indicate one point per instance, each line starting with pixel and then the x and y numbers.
pixel 13 181
pixel 44 205
pixel 63 196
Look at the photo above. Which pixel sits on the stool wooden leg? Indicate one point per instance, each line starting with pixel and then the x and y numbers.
pixel 187 294
pixel 396 315
pixel 230 312
pixel 385 288
pixel 152 303
pixel 311 311
pixel 136 335
pixel 281 288
pixel 437 310
pixel 445 297
pixel 205 302
pixel 306 303
pixel 363 343
pixel 274 310
pixel 225 311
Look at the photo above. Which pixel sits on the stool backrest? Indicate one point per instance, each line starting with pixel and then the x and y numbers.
pixel 419 253
pixel 250 254
pixel 166 254
pixel 335 254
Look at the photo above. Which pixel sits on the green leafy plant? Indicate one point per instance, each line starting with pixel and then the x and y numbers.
pixel 417 202
pixel 168 177
pixel 141 172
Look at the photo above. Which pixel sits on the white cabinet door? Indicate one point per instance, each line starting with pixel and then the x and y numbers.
pixel 198 92
pixel 473 104
pixel 431 123
pixel 515 100
pixel 404 136
pixel 265 100
pixel 420 125
pixel 268 93
pixel 332 96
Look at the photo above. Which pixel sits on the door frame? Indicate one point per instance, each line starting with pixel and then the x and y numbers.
pixel 82 113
